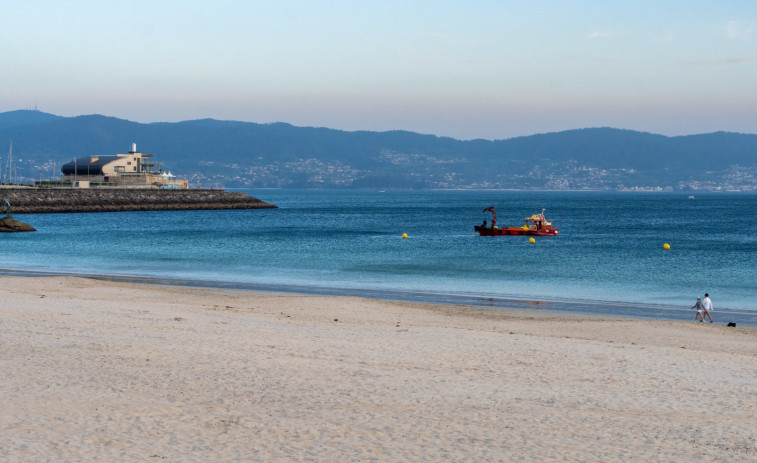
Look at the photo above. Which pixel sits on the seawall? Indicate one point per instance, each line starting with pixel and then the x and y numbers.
pixel 31 200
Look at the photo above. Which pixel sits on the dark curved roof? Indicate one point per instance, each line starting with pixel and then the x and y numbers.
pixel 83 166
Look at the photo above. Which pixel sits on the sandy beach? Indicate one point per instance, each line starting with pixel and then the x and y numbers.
pixel 104 371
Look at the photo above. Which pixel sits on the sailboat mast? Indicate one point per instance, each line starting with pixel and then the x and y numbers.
pixel 9 169
pixel 7 176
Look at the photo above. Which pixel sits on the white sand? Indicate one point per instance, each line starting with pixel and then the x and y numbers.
pixel 101 371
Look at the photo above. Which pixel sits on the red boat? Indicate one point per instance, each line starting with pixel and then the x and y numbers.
pixel 536 225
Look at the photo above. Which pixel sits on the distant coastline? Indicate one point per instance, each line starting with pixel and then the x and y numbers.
pixel 238 154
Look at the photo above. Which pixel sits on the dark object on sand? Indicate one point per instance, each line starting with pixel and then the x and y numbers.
pixel 732 324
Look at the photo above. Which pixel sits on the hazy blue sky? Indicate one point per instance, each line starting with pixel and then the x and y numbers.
pixel 465 69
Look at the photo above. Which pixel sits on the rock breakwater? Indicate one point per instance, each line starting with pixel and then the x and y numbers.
pixel 8 224
pixel 32 200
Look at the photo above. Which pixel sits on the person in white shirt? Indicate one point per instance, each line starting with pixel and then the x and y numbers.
pixel 707 303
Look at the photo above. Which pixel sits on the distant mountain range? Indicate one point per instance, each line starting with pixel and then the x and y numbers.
pixel 234 154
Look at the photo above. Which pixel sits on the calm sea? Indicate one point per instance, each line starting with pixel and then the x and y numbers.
pixel 607 259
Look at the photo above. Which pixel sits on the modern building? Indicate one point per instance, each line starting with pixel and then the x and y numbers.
pixel 130 170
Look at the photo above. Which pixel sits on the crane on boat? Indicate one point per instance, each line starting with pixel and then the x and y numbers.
pixel 494 214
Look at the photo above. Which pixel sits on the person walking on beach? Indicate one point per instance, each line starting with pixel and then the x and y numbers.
pixel 707 307
pixel 700 310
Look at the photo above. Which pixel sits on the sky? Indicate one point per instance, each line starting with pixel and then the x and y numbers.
pixel 462 69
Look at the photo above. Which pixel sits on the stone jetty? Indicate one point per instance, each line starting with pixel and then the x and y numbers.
pixel 34 200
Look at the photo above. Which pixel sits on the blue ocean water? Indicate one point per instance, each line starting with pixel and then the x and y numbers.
pixel 608 257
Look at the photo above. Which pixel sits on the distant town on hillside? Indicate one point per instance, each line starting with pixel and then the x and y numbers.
pixel 233 154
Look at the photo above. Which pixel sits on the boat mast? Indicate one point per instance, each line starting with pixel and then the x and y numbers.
pixel 8 174
pixel 9 165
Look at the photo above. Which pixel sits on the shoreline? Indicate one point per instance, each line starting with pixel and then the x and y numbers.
pixel 614 309
pixel 98 370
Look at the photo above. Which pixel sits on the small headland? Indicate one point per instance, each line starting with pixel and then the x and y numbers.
pixel 35 200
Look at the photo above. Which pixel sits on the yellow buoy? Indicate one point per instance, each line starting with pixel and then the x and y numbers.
pixel 666 246
pixel 404 236
pixel 531 240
